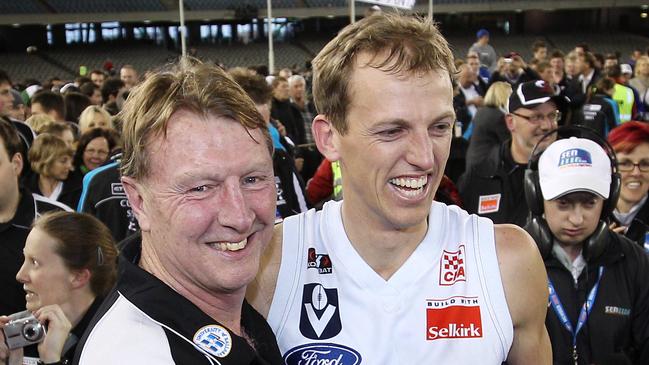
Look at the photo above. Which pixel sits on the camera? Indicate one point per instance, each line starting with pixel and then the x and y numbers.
pixel 508 60
pixel 23 329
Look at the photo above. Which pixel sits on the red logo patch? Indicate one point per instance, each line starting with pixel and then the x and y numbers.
pixel 455 317
pixel 451 267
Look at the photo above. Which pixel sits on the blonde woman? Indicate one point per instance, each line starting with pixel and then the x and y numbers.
pixel 641 83
pixel 51 160
pixel 94 117
pixel 489 128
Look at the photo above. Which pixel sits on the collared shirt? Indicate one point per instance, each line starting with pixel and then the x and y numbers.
pixel 585 80
pixel 145 321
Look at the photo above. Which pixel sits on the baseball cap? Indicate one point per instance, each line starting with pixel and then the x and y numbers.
pixel 534 93
pixel 625 68
pixel 574 164
pixel 481 33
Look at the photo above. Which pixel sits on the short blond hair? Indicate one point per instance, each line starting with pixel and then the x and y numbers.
pixel 37 121
pixel 413 45
pixel 88 115
pixel 200 88
pixel 640 59
pixel 46 149
pixel 498 95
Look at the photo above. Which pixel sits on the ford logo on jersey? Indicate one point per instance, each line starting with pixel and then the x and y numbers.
pixel 322 353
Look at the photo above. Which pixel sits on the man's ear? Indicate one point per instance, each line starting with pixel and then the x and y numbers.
pixel 136 199
pixel 17 163
pixel 326 137
pixel 509 120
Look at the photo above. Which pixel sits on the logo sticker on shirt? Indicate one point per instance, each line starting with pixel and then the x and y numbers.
pixel 319 261
pixel 451 267
pixel 214 339
pixel 454 317
pixel 489 204
pixel 320 315
pixel 117 189
pixel 322 353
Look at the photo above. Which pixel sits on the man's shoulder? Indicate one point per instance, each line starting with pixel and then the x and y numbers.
pixel 123 333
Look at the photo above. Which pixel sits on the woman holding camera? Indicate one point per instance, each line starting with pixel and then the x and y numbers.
pixel 70 264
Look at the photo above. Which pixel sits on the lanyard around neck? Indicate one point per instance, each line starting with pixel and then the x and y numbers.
pixel 586 308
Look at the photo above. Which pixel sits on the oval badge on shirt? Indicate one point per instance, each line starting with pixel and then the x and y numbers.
pixel 214 339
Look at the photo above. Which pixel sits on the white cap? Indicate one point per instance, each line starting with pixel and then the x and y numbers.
pixel 625 68
pixel 574 164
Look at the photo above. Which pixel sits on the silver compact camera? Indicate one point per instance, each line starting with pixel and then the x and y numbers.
pixel 23 329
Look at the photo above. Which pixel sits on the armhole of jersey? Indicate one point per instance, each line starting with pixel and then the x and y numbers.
pixel 295 233
pixel 40 198
pixel 491 281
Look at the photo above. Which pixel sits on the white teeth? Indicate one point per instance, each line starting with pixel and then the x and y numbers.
pixel 230 246
pixel 413 183
pixel 633 185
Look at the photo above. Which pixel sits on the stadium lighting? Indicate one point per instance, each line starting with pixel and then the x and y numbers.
pixel 643 15
pixel 147 21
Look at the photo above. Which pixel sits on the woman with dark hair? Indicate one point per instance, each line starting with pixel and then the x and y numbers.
pixel 70 265
pixel 75 103
pixel 631 216
pixel 93 149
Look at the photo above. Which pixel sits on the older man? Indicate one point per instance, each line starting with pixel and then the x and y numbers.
pixel 387 276
pixel 198 174
pixel 493 188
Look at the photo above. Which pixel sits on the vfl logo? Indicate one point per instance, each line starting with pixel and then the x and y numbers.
pixel 320 315
pixel 455 317
pixel 322 262
pixel 451 268
pixel 322 353
pixel 575 157
pixel 214 339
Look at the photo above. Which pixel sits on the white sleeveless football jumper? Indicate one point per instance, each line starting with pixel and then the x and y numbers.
pixel 445 305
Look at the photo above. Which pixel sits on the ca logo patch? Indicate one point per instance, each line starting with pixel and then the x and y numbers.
pixel 451 267
pixel 320 315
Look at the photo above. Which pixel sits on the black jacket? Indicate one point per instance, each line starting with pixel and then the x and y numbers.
pixel 12 241
pixel 104 197
pixel 638 230
pixel 291 117
pixel 617 329
pixel 493 188
pixel 70 193
pixel 489 132
pixel 287 192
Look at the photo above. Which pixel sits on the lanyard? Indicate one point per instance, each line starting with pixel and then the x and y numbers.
pixel 586 308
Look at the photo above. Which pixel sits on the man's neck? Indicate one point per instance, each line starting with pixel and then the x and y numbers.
pixel 299 102
pixel 8 208
pixel 573 251
pixel 519 155
pixel 222 307
pixel 383 247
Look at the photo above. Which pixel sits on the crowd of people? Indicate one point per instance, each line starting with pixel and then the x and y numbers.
pixel 389 204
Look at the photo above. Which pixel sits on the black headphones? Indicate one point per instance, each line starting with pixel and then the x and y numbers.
pixel 536 225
